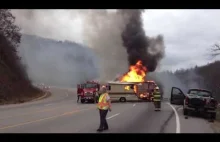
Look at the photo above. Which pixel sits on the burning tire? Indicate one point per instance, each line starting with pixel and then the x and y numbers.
pixel 122 99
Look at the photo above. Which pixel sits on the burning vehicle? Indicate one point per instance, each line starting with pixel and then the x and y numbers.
pixel 143 54
pixel 132 85
pixel 130 91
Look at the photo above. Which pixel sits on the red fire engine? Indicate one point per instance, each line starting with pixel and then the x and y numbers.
pixel 88 91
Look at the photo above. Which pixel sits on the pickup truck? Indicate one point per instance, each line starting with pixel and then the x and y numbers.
pixel 196 100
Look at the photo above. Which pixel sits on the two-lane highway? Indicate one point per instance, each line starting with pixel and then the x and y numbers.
pixel 61 114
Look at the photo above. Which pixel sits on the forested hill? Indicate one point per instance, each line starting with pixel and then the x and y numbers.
pixel 15 85
pixel 207 76
pixel 59 63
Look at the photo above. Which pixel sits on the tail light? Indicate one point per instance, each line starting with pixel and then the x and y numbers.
pixel 186 100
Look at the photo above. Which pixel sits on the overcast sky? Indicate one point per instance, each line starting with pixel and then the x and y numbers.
pixel 188 35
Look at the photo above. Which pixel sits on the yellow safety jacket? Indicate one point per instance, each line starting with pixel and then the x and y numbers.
pixel 157 96
pixel 103 104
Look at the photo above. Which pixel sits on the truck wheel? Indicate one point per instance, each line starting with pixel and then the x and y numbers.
pixel 122 99
pixel 171 102
pixel 82 101
pixel 212 117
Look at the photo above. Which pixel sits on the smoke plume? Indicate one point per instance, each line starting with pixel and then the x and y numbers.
pixel 101 30
pixel 139 47
pixel 97 29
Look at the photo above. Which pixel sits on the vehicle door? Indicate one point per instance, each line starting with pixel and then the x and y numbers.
pixel 177 96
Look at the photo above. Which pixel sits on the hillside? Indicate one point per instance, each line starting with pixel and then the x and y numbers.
pixel 59 63
pixel 207 77
pixel 27 59
pixel 15 86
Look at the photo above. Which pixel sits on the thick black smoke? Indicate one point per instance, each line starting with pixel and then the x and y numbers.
pixel 139 47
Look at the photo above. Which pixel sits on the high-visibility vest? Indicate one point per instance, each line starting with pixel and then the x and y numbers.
pixel 103 104
pixel 156 96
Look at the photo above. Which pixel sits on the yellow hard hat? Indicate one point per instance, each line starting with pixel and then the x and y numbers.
pixel 157 88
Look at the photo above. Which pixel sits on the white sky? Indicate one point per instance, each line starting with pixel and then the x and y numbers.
pixel 188 35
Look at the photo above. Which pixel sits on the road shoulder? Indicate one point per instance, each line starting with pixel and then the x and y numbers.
pixel 216 127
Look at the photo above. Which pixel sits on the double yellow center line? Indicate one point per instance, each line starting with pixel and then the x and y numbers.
pixel 47 118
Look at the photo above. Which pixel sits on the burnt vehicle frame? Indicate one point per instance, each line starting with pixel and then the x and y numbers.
pixel 191 102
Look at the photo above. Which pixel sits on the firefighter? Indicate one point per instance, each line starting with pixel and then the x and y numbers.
pixel 157 99
pixel 104 105
pixel 78 97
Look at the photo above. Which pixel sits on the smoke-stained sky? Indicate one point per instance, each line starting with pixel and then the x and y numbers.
pixel 187 33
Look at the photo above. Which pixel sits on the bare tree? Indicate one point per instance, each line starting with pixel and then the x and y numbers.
pixel 215 50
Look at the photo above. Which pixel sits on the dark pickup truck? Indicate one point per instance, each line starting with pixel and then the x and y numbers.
pixel 197 100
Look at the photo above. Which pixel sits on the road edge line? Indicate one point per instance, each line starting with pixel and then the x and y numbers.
pixel 177 118
pixel 46 95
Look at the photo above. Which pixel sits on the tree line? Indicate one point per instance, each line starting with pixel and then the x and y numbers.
pixel 15 86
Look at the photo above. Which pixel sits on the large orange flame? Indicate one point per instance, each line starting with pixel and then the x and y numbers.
pixel 136 73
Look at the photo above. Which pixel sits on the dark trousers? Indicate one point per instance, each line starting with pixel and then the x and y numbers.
pixel 157 104
pixel 103 122
pixel 78 96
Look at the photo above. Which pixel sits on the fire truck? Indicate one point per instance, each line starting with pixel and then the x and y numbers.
pixel 145 90
pixel 88 91
pixel 124 91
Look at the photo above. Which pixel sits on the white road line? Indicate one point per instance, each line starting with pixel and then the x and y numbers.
pixel 113 116
pixel 134 105
pixel 48 104
pixel 177 118
pixel 67 94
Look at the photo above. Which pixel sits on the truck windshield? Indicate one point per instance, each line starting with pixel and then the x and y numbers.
pixel 90 85
pixel 200 93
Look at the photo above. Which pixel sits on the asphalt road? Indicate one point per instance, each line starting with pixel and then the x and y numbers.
pixel 61 114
